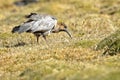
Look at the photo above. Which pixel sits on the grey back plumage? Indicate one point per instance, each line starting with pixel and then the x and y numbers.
pixel 38 23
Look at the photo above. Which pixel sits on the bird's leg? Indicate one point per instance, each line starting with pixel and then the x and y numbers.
pixel 37 36
pixel 44 38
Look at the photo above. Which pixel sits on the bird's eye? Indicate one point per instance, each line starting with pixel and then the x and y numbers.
pixel 65 26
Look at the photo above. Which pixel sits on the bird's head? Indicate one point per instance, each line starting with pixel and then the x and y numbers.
pixel 31 14
pixel 63 27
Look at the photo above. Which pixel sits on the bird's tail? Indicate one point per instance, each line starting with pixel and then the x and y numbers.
pixel 15 29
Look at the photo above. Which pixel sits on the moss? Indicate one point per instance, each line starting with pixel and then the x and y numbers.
pixel 112 43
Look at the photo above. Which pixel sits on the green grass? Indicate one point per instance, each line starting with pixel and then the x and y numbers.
pixel 61 58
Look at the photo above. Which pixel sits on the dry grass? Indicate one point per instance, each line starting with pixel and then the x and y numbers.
pixel 21 58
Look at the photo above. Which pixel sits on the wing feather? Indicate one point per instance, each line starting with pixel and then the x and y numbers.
pixel 25 26
pixel 45 23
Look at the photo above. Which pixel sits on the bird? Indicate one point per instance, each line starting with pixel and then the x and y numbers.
pixel 41 25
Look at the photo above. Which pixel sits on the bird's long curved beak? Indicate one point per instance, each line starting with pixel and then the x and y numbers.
pixel 68 33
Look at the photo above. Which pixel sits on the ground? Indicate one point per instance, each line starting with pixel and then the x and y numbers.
pixel 60 58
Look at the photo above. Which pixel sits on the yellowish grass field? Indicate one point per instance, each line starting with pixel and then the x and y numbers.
pixel 21 58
